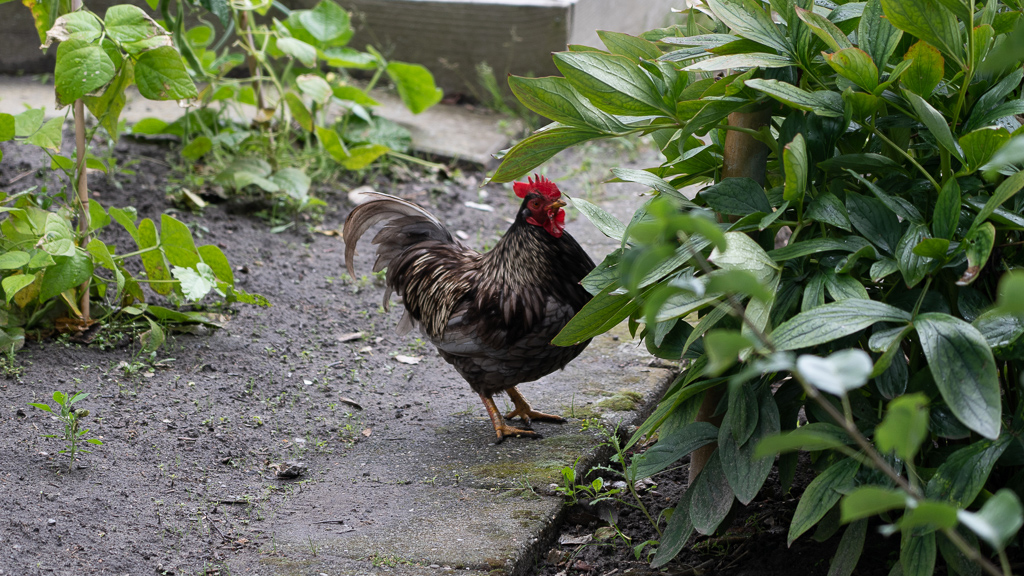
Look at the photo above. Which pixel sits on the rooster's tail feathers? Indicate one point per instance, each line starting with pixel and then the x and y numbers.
pixel 406 224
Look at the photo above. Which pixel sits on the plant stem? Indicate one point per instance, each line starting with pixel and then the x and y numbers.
pixel 910 158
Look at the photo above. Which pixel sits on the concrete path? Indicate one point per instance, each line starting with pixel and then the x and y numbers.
pixel 448 500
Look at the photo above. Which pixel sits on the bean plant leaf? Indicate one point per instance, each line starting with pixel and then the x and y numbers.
pixel 160 75
pixel 299 50
pixel 964 370
pixel 195 283
pixel 326 22
pixel 415 85
pixel 66 273
pixel 82 68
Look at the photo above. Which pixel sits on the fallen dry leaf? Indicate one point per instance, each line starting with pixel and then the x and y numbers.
pixel 408 359
pixel 350 402
pixel 367 432
pixel 350 336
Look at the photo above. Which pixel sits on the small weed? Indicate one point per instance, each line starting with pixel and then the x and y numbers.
pixel 71 418
pixel 9 365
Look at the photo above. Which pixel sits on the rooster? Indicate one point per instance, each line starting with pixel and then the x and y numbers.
pixel 492 316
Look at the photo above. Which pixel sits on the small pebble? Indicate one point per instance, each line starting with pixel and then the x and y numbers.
pixel 50 522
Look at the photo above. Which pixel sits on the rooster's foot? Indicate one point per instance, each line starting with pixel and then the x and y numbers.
pixel 526 412
pixel 502 429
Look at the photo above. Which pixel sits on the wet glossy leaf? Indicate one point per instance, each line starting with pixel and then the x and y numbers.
pixel 736 196
pixel 875 35
pixel 82 67
pixel 821 495
pixel 963 474
pixel 929 21
pixel 712 497
pixel 964 370
pixel 831 321
pixel 855 65
pixel 747 18
pixel 926 70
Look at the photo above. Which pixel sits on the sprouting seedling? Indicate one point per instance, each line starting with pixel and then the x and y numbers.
pixel 71 418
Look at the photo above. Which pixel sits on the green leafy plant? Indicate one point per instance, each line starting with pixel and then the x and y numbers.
pixel 71 418
pixel 51 271
pixel 309 116
pixel 861 272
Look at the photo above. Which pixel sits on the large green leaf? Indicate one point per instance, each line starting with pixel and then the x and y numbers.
pixel 327 22
pixel 415 86
pixel 795 166
pixel 631 46
pixel 912 266
pixel 946 216
pixel 747 18
pixel 176 241
pixel 67 272
pixel 917 553
pixel 750 60
pixel 821 495
pixel 538 148
pixel 980 145
pixel 822 103
pixel 612 83
pixel 925 71
pixel 152 260
pixel 599 315
pixel 82 67
pixel 677 532
pixel 963 474
pixel 1003 192
pixel 875 35
pixel 964 370
pixel 134 29
pixel 745 472
pixel 823 28
pixel 850 548
pixel 876 221
pixel 852 244
pixel 736 196
pixel 856 66
pixel 936 124
pixel 671 448
pixel 712 497
pixel 160 75
pixel 929 21
pixel 556 99
pixel 835 320
pixel 866 501
pixel 608 225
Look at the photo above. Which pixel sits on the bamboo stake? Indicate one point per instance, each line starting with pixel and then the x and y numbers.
pixel 82 185
pixel 743 156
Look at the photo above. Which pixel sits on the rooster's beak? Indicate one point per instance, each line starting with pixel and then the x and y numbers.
pixel 555 205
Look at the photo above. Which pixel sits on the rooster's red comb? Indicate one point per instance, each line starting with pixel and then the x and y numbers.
pixel 539 184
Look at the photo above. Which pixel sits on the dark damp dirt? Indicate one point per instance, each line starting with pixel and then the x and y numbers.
pixel 184 480
pixel 751 541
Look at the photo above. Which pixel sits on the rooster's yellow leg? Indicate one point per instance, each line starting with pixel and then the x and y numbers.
pixel 500 428
pixel 526 412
